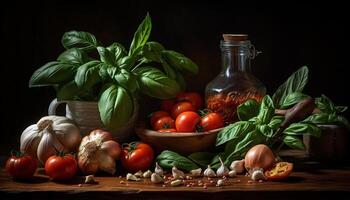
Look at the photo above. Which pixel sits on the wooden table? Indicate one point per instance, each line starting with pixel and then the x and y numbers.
pixel 313 183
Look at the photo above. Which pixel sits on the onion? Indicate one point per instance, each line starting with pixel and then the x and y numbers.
pixel 259 157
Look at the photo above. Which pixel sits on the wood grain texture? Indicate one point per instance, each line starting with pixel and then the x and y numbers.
pixel 318 183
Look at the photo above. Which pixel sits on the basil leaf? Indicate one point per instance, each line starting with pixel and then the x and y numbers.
pixel 292 99
pixel 118 50
pixel 234 131
pixel 303 129
pixel 73 56
pixel 115 106
pixel 156 84
pixel 126 79
pixel 266 130
pixel 248 110
pixel 141 35
pixel 215 162
pixel 295 83
pixel 180 79
pixel 341 109
pixel 88 74
pixel 106 56
pixel 126 62
pixel 53 73
pixel 68 91
pixel 325 104
pixel 340 120
pixel 318 118
pixel 293 142
pixel 275 122
pixel 152 51
pixel 203 159
pixel 179 61
pixel 168 159
pixel 78 39
pixel 267 110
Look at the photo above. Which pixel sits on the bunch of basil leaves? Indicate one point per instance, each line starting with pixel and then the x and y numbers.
pixel 258 124
pixel 117 76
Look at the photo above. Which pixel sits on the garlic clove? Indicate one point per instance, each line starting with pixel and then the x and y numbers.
pixel 196 172
pixel 177 173
pixel 222 170
pixel 238 166
pixel 90 179
pixel 258 174
pixel 209 172
pixel 147 174
pixel 48 146
pixel 176 183
pixel 131 177
pixel 232 173
pixel 156 178
pixel 158 169
pixel 220 182
pixel 138 174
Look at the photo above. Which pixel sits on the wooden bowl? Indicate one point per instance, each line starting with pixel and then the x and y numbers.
pixel 183 143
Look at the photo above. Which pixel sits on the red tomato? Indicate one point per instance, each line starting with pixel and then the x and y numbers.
pixel 187 121
pixel 169 130
pixel 194 98
pixel 211 121
pixel 180 108
pixel 164 123
pixel 157 115
pixel 61 167
pixel 137 156
pixel 21 166
pixel 167 105
pixel 280 171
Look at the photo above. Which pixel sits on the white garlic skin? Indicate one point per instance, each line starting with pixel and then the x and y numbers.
pixel 222 170
pixel 238 166
pixel 196 172
pixel 147 174
pixel 232 173
pixel 138 174
pixel 258 174
pixel 89 179
pixel 220 182
pixel 156 178
pixel 131 177
pixel 158 169
pixel 177 173
pixel 176 183
pixel 209 172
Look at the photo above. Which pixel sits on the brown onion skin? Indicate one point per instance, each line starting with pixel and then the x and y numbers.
pixel 259 156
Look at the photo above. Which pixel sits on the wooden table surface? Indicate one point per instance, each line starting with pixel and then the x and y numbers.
pixel 313 183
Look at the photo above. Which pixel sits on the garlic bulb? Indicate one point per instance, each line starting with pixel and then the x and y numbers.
pixel 238 166
pixel 196 172
pixel 98 151
pixel 209 172
pixel 49 135
pixel 222 170
pixel 177 173
pixel 158 169
pixel 156 178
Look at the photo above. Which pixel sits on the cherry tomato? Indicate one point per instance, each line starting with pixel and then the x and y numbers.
pixel 180 108
pixel 194 98
pixel 21 166
pixel 164 123
pixel 61 167
pixel 157 115
pixel 167 105
pixel 211 121
pixel 137 156
pixel 187 121
pixel 280 171
pixel 169 130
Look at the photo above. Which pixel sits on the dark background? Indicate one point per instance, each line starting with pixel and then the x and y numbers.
pixel 290 36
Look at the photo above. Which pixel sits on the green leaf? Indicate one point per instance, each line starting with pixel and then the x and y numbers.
pixel 293 142
pixel 295 83
pixel 266 111
pixel 152 51
pixel 141 35
pixel 53 73
pixel 126 79
pixel 341 109
pixel 318 118
pixel 127 62
pixel 292 99
pixel 303 129
pixel 88 74
pixel 68 91
pixel 215 162
pixel 118 50
pixel 168 159
pixel 342 121
pixel 156 84
pixel 266 130
pixel 73 56
pixel 106 56
pixel 202 159
pixel 234 131
pixel 275 122
pixel 115 106
pixel 179 61
pixel 79 39
pixel 248 110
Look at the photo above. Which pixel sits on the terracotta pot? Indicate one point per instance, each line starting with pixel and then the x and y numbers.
pixel 87 117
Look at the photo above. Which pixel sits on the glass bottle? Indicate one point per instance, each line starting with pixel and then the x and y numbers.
pixel 234 84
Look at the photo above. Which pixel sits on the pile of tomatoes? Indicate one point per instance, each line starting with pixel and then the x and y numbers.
pixel 181 115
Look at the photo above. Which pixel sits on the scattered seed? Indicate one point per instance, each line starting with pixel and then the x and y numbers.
pixel 120 177
pixel 250 181
pixel 238 180
pixel 209 178
pixel 163 185
pixel 200 184
pixel 260 181
pixel 211 181
pixel 188 185
pixel 122 182
pixel 205 187
pixel 80 185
